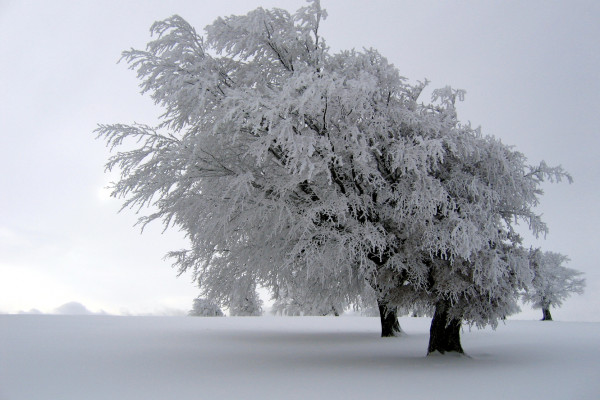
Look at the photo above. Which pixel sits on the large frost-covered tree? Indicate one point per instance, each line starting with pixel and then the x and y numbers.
pixel 288 166
pixel 552 281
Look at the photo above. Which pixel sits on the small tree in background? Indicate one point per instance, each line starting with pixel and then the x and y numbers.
pixel 205 308
pixel 244 301
pixel 552 282
pixel 308 297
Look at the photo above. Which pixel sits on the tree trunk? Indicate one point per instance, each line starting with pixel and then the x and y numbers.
pixel 390 326
pixel 444 335
pixel 546 314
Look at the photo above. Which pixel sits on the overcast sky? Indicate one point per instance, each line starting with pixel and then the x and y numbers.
pixel 531 70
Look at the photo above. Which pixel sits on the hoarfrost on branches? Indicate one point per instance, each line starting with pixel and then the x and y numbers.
pixel 552 282
pixel 205 308
pixel 293 168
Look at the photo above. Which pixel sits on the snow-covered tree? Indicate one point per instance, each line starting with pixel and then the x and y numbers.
pixel 287 165
pixel 478 265
pixel 244 301
pixel 300 305
pixel 463 255
pixel 205 308
pixel 243 160
pixel 552 281
pixel 306 297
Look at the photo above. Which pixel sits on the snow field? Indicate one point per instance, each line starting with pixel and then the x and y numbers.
pixel 125 358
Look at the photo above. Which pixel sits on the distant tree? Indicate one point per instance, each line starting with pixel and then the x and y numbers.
pixel 294 301
pixel 312 296
pixel 280 161
pixel 245 301
pixel 552 282
pixel 205 308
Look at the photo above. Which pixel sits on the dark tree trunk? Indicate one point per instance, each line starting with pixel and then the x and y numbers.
pixel 546 314
pixel 444 335
pixel 390 326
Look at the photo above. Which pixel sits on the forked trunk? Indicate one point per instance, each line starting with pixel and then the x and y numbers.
pixel 444 335
pixel 546 314
pixel 390 326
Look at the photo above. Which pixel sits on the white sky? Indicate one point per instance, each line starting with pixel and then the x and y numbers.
pixel 531 70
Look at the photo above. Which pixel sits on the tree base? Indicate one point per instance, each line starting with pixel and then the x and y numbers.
pixel 390 327
pixel 546 314
pixel 444 334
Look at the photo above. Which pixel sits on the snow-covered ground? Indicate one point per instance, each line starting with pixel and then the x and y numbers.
pixel 122 358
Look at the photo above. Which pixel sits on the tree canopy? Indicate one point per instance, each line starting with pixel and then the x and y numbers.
pixel 289 166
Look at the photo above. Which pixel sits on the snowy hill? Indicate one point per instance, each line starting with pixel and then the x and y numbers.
pixel 123 358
